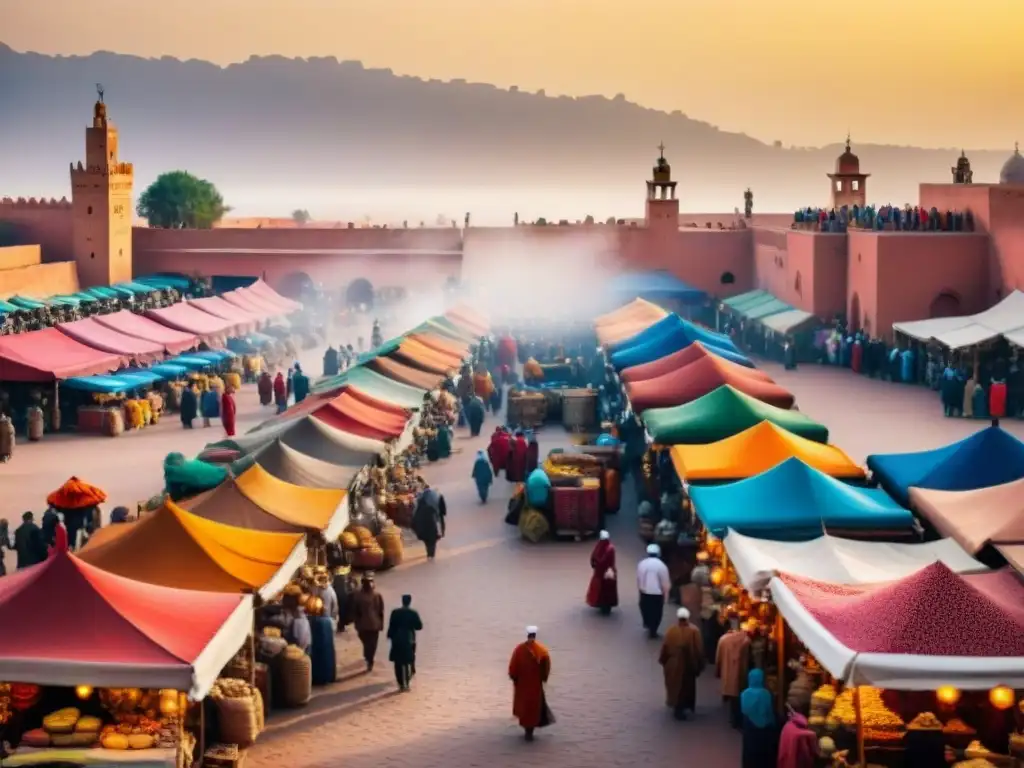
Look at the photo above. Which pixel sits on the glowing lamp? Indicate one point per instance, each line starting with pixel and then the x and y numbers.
pixel 83 692
pixel 703 557
pixel 717 576
pixel 948 695
pixel 168 702
pixel 1002 697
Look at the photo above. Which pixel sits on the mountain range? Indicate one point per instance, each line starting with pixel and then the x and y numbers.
pixel 341 140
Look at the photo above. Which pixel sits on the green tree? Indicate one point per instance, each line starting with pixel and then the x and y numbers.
pixel 179 200
pixel 301 216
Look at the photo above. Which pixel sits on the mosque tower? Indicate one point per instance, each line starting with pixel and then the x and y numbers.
pixel 849 185
pixel 662 209
pixel 101 203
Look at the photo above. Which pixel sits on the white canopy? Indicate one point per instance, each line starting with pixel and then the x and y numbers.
pixel 1004 319
pixel 841 561
pixel 900 671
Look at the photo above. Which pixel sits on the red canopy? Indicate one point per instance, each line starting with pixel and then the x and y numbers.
pixel 78 625
pixel 244 321
pixel 933 612
pixel 95 334
pixel 264 291
pixel 173 342
pixel 357 425
pixel 49 355
pixel 697 379
pixel 184 317
pixel 685 356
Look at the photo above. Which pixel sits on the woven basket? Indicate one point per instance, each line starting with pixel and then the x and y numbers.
pixel 238 721
pixel 296 681
pixel 113 425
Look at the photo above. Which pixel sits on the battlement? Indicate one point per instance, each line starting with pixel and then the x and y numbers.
pixel 114 169
pixel 10 203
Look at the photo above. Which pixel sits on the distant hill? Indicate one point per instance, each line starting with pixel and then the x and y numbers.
pixel 340 140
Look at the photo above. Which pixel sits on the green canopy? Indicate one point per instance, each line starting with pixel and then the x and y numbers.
pixel 187 477
pixel 765 309
pixel 723 413
pixel 6 306
pixel 385 349
pixel 788 322
pixel 375 385
pixel 746 299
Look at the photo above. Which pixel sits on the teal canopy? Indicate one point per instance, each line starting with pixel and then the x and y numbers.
pixel 191 362
pixel 102 292
pixel 145 376
pixel 795 502
pixel 169 370
pixel 187 477
pixel 215 355
pixel 177 282
pixel 23 302
pixel 385 349
pixel 6 306
pixel 375 385
pixel 106 385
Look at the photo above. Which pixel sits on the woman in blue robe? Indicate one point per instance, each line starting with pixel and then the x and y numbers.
pixel 980 402
pixel 483 475
pixel 759 733
pixel 209 406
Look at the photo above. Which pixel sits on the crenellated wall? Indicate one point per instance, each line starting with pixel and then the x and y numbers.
pixel 47 223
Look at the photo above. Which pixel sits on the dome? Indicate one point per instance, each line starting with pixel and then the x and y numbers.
pixel 848 163
pixel 1013 169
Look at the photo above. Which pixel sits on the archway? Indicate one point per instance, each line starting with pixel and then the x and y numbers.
pixel 296 285
pixel 359 291
pixel 854 319
pixel 946 304
pixel 727 278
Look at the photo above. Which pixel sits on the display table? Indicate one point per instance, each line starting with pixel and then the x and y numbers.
pixel 95 757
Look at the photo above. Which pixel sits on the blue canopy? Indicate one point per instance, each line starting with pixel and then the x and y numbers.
pixel 671 334
pixel 103 292
pixel 986 458
pixel 214 355
pixel 106 385
pixel 795 502
pixel 6 306
pixel 164 281
pixel 168 371
pixel 655 285
pixel 191 362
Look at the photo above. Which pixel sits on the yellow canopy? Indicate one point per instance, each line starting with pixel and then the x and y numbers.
pixel 757 450
pixel 627 321
pixel 320 509
pixel 174 548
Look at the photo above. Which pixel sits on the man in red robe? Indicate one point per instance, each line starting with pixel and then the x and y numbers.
pixel 280 393
pixel 228 411
pixel 516 472
pixel 529 669
pixel 532 454
pixel 603 592
pixel 498 450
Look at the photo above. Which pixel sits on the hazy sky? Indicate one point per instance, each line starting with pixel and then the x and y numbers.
pixel 899 71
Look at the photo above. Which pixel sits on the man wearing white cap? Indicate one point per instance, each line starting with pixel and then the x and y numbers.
pixel 529 670
pixel 682 660
pixel 603 592
pixel 654 583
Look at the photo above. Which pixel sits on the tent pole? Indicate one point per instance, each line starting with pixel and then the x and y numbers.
pixel 780 660
pixel 862 759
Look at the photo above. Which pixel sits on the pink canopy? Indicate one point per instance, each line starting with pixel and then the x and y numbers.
pixel 98 336
pixel 173 342
pixel 210 329
pixel 49 355
pixel 263 290
pixel 78 625
pixel 246 299
pixel 244 321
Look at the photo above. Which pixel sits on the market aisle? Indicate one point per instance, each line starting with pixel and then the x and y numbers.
pixel 476 600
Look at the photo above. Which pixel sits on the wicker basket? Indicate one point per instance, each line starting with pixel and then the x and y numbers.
pixel 238 720
pixel 296 680
pixel 113 425
pixel 391 542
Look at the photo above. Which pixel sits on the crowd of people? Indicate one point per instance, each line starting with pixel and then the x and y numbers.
pixel 883 218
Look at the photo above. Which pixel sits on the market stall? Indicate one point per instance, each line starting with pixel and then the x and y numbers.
pixel 306 434
pixel 757 450
pixel 723 413
pixel 989 457
pixel 469 319
pixel 417 355
pixel 48 355
pixel 379 386
pixel 439 343
pixel 670 335
pixel 92 333
pixel 292 466
pixel 174 342
pixel 243 320
pixel 683 357
pixel 209 329
pixel 405 374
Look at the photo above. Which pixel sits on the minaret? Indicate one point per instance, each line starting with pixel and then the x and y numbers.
pixel 662 208
pixel 101 202
pixel 849 185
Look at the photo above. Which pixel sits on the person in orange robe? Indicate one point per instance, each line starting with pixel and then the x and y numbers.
pixel 228 411
pixel 603 592
pixel 529 669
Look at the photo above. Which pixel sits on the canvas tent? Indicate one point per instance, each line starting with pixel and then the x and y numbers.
pixel 790 321
pixel 48 355
pixel 299 469
pixel 1005 319
pixel 265 292
pixel 173 341
pixel 793 501
pixel 686 384
pixel 668 335
pixel 416 354
pixel 986 458
pixel 376 385
pixel 757 450
pixel 184 317
pixel 405 374
pixel 466 317
pixel 440 343
pixel 101 629
pixel 627 321
pixel 94 334
pixel 174 548
pixel 841 561
pixel 936 641
pixel 723 413
pixel 658 284
pixel 689 354
pixel 308 436
pixel 243 321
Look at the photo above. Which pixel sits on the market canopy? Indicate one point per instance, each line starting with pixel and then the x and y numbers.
pixel 668 335
pixel 976 519
pixel 842 561
pixel 1005 319
pixel 70 623
pixel 747 299
pixel 174 548
pixel 796 502
pixel 627 321
pixel 791 321
pixel 689 354
pixel 307 436
pixel 375 385
pixel 467 317
pixel 49 355
pixel 420 356
pixel 253 303
pixel 267 293
pixel 693 381
pixel 184 317
pixel 346 414
pixel 723 413
pixel 440 344
pixel 757 450
pixel 932 628
pixel 657 284
pixel 989 457
pixel 174 342
pixel 92 333
pixel 243 321
pixel 293 467
pixel 442 326
pixel 405 374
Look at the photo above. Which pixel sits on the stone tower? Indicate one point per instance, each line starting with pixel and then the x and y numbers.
pixel 101 203
pixel 849 185
pixel 662 209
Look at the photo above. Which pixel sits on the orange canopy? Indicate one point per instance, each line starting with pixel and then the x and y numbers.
pixel 76 494
pixel 757 450
pixel 405 374
pixel 174 548
pixel 685 356
pixel 993 515
pixel 627 321
pixel 446 346
pixel 425 358
pixel 382 421
pixel 467 317
pixel 318 509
